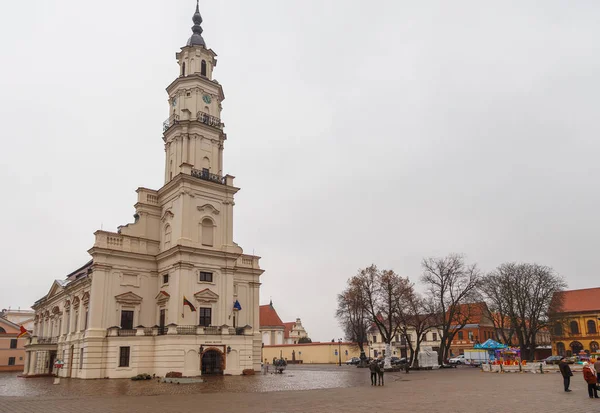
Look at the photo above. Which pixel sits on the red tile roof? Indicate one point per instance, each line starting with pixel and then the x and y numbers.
pixel 269 318
pixel 288 328
pixel 575 301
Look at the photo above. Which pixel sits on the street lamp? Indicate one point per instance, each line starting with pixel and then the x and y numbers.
pixel 340 351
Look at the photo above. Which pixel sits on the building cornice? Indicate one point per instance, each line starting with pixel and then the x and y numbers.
pixel 192 79
pixel 180 179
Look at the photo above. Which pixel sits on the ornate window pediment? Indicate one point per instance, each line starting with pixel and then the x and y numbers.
pixel 209 209
pixel 128 298
pixel 162 297
pixel 168 215
pixel 206 296
pixel 85 298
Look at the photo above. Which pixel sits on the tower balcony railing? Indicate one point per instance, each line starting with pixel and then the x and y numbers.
pixel 207 176
pixel 171 120
pixel 209 120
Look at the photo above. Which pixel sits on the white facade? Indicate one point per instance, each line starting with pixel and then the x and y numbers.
pixel 399 346
pixel 123 313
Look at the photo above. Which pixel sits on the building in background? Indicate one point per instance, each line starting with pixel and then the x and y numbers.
pixel 575 324
pixel 275 332
pixel 12 348
pixel 171 291
pixel 399 345
pixel 20 317
pixel 478 328
pixel 312 353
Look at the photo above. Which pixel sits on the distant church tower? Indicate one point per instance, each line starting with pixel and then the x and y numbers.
pixel 171 291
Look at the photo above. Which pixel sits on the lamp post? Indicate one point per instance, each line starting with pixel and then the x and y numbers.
pixel 340 351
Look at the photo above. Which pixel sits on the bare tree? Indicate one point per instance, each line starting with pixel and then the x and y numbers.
pixel 452 285
pixel 416 316
pixel 352 316
pixel 384 293
pixel 526 294
pixel 493 288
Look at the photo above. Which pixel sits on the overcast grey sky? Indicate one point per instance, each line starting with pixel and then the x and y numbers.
pixel 359 131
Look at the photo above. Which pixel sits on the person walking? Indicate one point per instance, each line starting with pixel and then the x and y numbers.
pixel 597 368
pixel 589 375
pixel 566 372
pixel 373 368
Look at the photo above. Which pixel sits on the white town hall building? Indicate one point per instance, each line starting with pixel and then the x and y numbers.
pixel 130 309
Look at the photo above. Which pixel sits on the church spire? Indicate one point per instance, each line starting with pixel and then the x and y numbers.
pixel 196 39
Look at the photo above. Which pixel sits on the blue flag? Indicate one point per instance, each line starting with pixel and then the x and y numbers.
pixel 237 306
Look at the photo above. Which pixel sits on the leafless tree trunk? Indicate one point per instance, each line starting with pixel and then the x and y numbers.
pixel 384 293
pixel 418 316
pixel 352 316
pixel 451 283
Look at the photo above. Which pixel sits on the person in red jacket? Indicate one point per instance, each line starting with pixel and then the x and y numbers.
pixel 592 381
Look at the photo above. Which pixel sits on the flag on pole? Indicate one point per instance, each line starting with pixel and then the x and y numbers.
pixel 188 303
pixel 23 332
pixel 237 306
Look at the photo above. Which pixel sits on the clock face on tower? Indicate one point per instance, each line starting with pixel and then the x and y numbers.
pixel 206 99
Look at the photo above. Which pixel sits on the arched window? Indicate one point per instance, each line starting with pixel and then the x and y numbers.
pixel 591 325
pixel 183 69
pixel 2 331
pixel 207 232
pixel 203 68
pixel 167 237
pixel 558 330
pixel 576 347
pixel 560 349
pixel 205 165
pixel 594 346
pixel 574 327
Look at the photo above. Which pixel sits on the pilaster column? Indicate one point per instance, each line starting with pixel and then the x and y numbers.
pixel 32 362
pixel 186 141
pixel 98 306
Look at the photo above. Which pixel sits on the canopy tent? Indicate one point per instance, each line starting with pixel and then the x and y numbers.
pixel 490 345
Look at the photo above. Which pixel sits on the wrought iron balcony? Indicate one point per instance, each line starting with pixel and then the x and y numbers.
pixel 209 120
pixel 172 120
pixel 207 176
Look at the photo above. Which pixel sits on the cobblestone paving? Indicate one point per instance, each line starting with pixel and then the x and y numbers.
pixel 464 390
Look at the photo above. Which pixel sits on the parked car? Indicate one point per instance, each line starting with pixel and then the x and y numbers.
pixel 353 361
pixel 572 360
pixel 397 361
pixel 553 359
pixel 458 360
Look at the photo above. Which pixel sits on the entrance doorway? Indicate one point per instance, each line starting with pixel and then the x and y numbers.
pixel 212 362
pixel 51 360
pixel 71 361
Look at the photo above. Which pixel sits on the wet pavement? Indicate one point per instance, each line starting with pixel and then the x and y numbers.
pixel 296 377
pixel 464 390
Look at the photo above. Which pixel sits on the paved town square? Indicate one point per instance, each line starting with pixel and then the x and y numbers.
pixel 343 389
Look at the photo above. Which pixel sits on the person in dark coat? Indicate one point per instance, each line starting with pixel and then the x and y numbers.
pixel 566 372
pixel 380 373
pixel 373 368
pixel 589 375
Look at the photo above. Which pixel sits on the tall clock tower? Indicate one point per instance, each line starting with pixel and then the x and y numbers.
pixel 193 133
